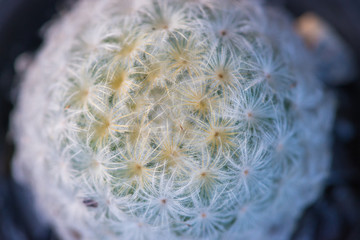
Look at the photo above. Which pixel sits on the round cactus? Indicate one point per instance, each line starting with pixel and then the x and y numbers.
pixel 172 120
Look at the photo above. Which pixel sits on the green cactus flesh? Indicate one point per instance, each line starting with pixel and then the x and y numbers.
pixel 173 120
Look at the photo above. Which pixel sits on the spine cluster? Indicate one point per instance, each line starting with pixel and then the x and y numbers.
pixel 183 119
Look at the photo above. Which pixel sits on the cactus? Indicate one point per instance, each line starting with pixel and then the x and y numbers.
pixel 173 120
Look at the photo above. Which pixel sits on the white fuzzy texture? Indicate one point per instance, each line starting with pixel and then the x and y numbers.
pixel 172 120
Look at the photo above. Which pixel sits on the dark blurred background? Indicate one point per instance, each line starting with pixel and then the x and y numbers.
pixel 335 215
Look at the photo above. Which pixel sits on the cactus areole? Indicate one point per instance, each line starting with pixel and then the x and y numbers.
pixel 161 119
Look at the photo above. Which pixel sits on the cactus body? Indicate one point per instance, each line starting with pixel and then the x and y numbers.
pixel 172 120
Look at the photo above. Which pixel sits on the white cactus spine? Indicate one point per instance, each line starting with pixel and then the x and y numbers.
pixel 172 119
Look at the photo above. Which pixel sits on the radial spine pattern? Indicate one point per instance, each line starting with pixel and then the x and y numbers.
pixel 172 120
